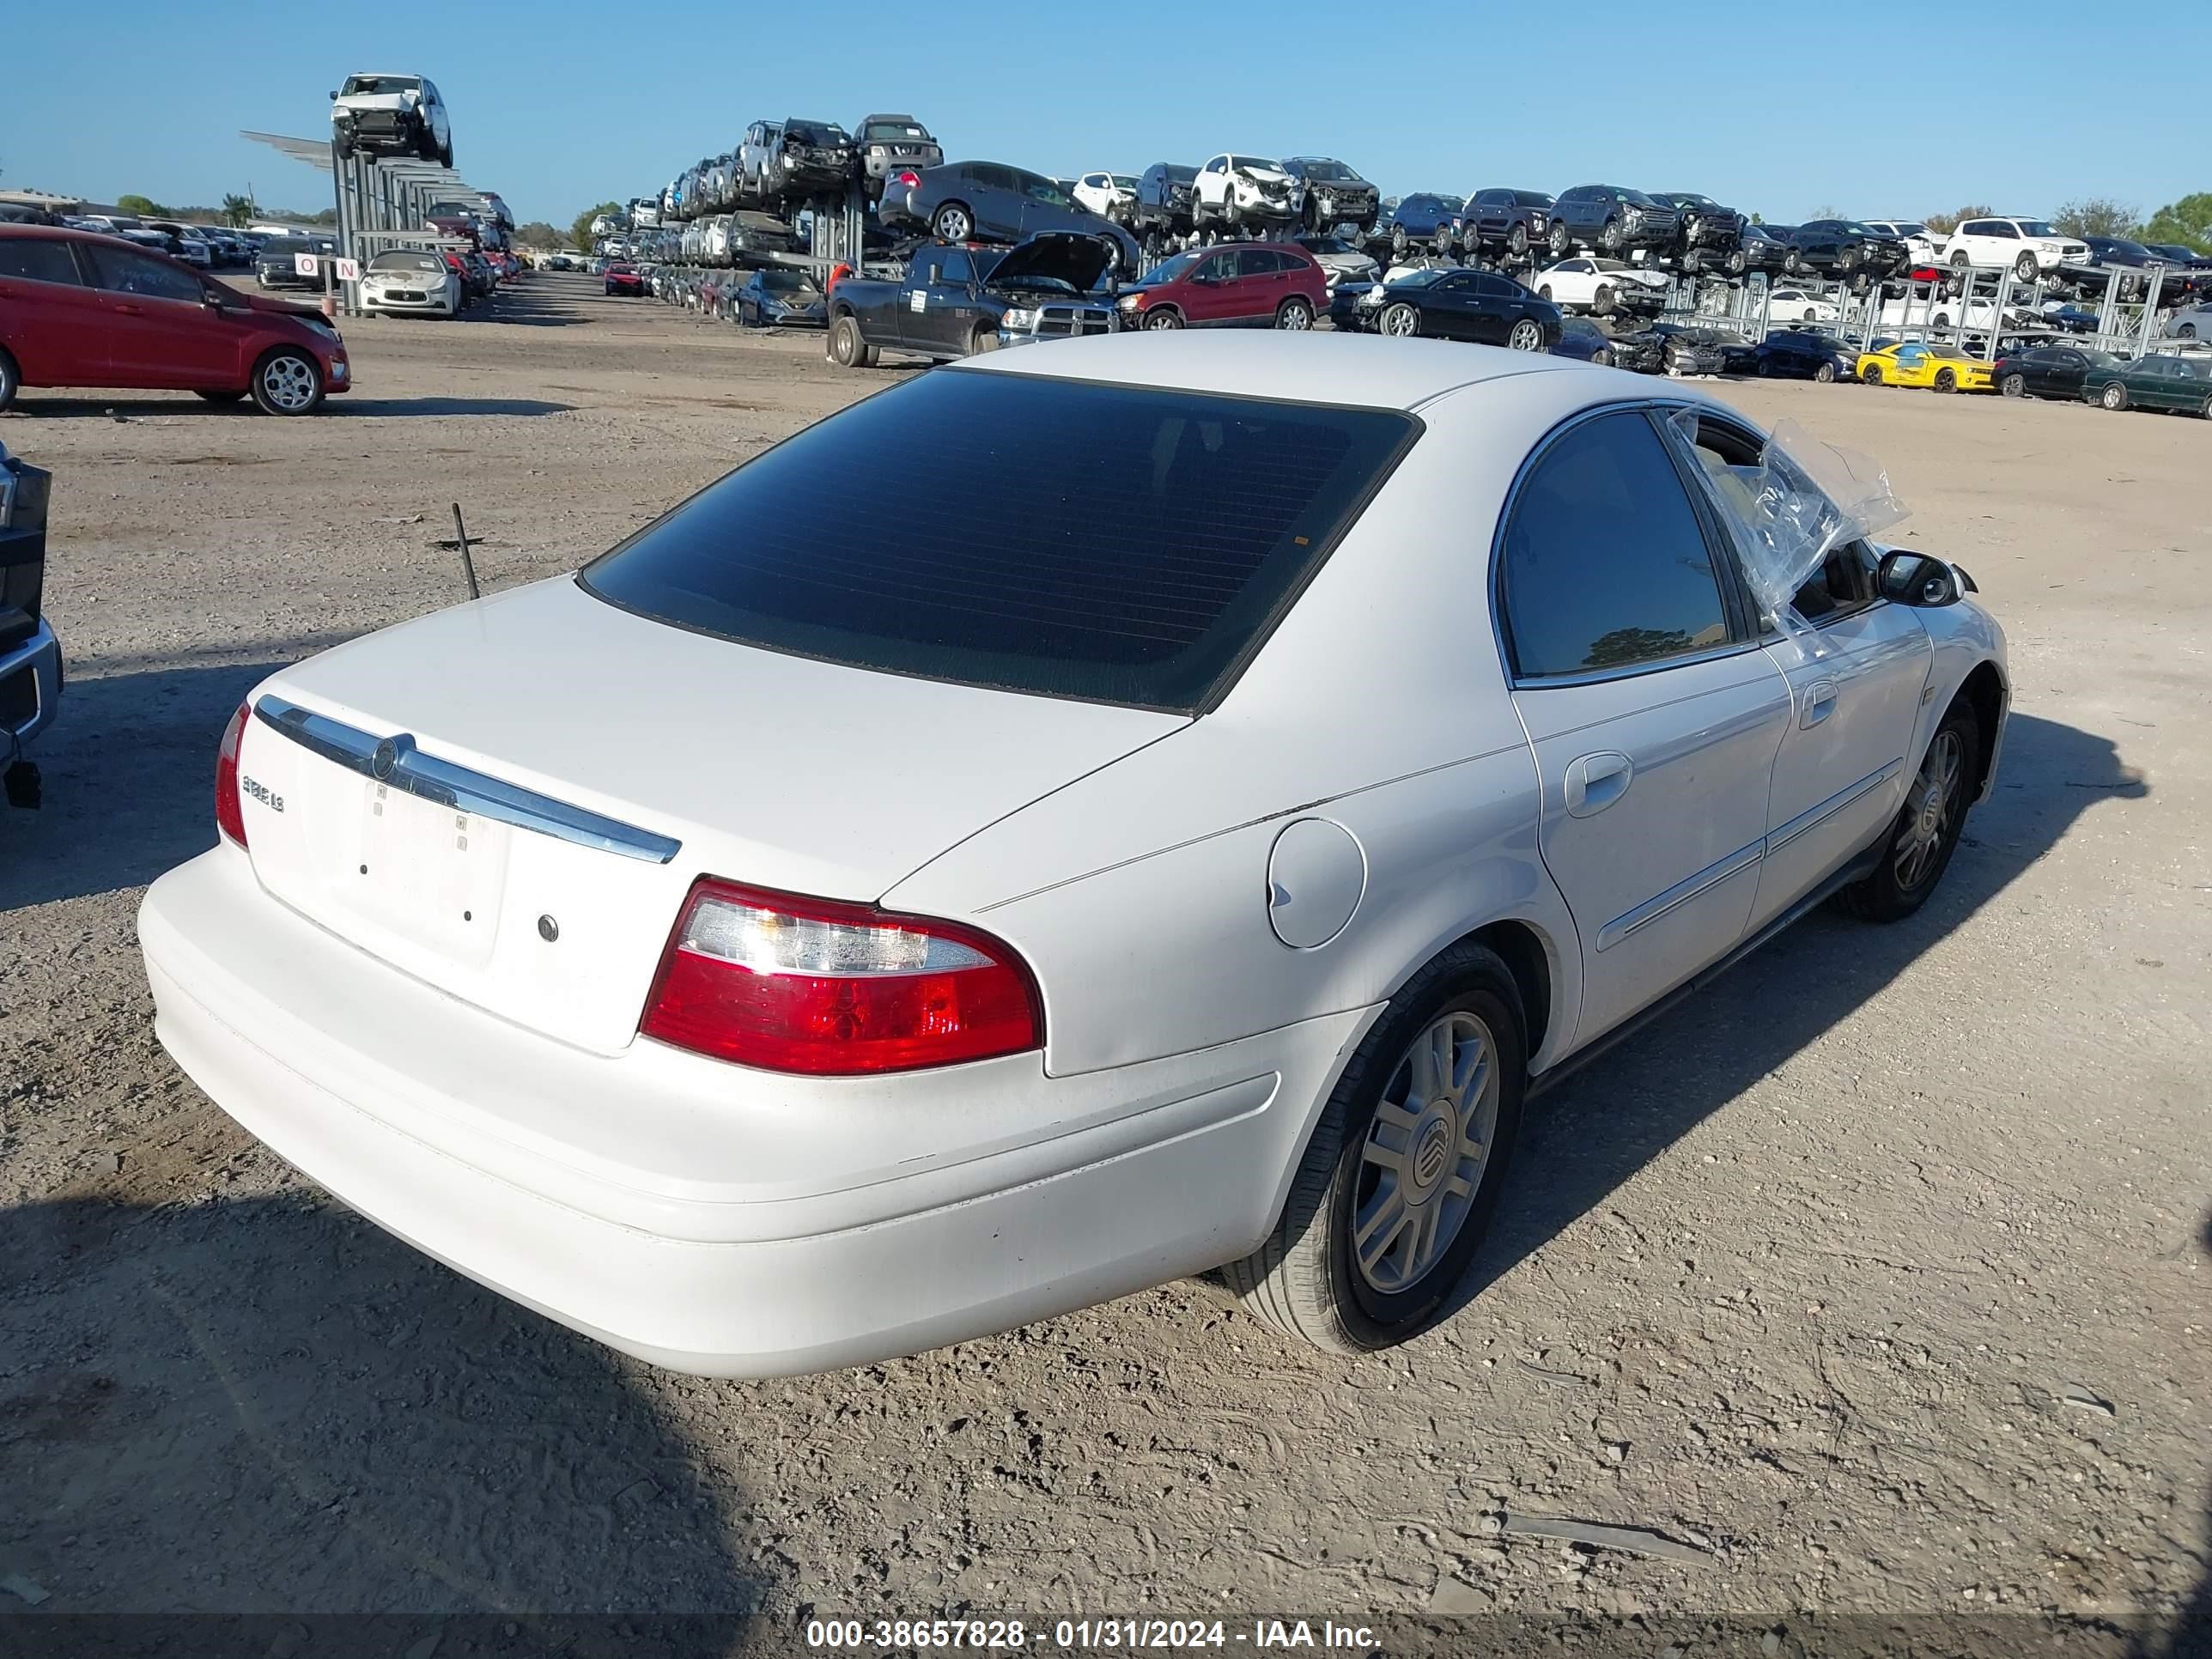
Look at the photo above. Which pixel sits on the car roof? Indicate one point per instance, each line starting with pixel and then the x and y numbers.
pixel 1364 370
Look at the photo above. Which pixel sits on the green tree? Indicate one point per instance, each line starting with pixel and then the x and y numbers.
pixel 1944 223
pixel 2188 221
pixel 2094 216
pixel 142 207
pixel 237 211
pixel 537 234
pixel 1827 212
pixel 580 234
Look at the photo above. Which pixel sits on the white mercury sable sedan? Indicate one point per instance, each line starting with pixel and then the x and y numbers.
pixel 1070 820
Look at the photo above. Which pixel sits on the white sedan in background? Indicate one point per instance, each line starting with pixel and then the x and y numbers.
pixel 1797 304
pixel 1587 283
pixel 410 281
pixel 864 956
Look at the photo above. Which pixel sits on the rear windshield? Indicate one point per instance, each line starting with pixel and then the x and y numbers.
pixel 1103 542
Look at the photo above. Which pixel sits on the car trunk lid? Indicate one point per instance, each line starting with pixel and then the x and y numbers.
pixel 509 800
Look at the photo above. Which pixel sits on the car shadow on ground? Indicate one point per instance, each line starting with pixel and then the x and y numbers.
pixel 525 309
pixel 128 771
pixel 34 407
pixel 267 1405
pixel 1596 1129
pixel 383 406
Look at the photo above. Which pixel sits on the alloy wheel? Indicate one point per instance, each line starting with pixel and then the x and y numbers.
pixel 1425 1152
pixel 1526 336
pixel 288 382
pixel 1932 805
pixel 1400 320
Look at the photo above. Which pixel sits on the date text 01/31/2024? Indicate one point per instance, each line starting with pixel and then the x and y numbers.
pixel 897 1635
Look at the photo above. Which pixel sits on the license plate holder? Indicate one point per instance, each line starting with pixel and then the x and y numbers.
pixel 431 871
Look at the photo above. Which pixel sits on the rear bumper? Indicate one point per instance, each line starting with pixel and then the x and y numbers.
pixel 704 1217
pixel 30 685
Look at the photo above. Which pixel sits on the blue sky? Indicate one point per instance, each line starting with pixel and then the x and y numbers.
pixel 562 104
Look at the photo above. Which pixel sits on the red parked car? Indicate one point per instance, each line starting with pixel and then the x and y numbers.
pixel 624 279
pixel 1244 285
pixel 77 308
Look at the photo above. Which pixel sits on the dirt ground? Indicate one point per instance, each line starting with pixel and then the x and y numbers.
pixel 1878 1275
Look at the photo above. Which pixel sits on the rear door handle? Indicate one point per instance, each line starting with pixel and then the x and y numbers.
pixel 1819 702
pixel 1595 781
pixel 132 311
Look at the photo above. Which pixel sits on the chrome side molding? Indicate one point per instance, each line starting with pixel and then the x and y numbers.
pixel 396 763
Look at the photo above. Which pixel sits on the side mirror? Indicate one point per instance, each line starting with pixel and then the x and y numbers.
pixel 1916 579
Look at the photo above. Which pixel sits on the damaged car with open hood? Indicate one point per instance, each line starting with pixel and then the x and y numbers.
pixel 959 302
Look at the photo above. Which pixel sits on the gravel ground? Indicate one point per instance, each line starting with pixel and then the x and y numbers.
pixel 1877 1275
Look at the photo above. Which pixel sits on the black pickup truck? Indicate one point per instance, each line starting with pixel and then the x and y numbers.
pixel 957 299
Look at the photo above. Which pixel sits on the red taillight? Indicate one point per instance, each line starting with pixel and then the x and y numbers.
pixel 229 815
pixel 790 984
pixel 907 180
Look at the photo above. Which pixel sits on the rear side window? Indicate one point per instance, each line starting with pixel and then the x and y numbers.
pixel 37 259
pixel 1605 565
pixel 125 273
pixel 1109 543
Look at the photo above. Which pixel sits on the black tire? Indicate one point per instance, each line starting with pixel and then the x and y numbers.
pixel 1825 375
pixel 223 397
pixel 11 381
pixel 1399 242
pixel 1608 237
pixel 1870 374
pixel 2115 396
pixel 445 156
pixel 1737 261
pixel 2186 332
pixel 845 347
pixel 1162 317
pixel 1903 880
pixel 1516 241
pixel 1303 1281
pixel 951 216
pixel 1544 292
pixel 1407 314
pixel 2026 270
pixel 1295 314
pixel 1559 239
pixel 1947 379
pixel 2013 386
pixel 1604 300
pixel 288 381
pixel 2204 413
pixel 1793 262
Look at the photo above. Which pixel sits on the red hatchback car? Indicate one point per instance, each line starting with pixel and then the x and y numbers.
pixel 1246 285
pixel 77 308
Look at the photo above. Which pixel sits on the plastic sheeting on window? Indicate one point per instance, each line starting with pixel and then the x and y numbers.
pixel 1800 501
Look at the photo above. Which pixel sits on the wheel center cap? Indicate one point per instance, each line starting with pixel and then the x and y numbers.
pixel 1433 1148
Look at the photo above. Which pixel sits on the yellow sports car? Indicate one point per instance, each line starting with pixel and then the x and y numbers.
pixel 1946 368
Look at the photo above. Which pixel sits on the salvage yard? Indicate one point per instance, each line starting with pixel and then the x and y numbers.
pixel 1877 1276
